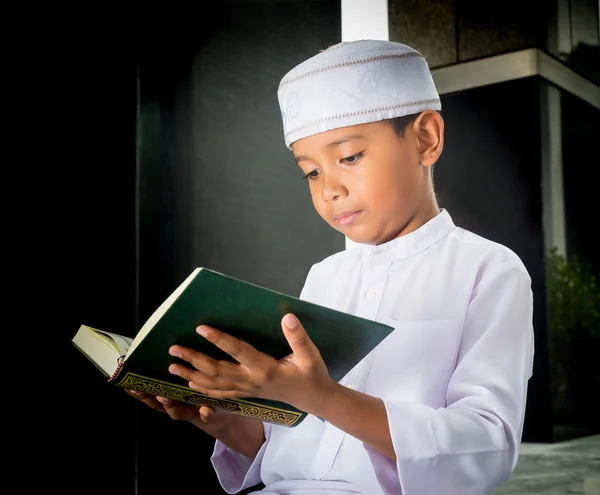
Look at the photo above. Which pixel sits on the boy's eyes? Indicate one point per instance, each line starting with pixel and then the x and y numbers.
pixel 349 160
pixel 312 175
pixel 352 159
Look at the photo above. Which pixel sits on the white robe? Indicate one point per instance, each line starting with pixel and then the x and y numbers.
pixel 453 374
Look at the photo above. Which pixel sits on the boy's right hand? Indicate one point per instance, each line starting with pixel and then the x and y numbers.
pixel 242 434
pixel 204 417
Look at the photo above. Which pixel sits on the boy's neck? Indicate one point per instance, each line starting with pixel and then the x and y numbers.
pixel 426 212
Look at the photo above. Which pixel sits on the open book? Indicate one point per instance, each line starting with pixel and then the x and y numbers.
pixel 244 310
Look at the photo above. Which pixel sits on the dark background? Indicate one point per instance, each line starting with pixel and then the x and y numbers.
pixel 489 178
pixel 172 157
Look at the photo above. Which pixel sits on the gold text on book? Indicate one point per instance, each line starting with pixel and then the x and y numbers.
pixel 244 407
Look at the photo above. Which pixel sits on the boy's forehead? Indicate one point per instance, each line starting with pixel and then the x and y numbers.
pixel 329 140
pixel 354 83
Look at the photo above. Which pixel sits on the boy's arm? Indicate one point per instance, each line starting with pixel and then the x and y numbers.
pixel 471 444
pixel 360 415
pixel 239 447
pixel 240 442
pixel 238 453
pixel 243 435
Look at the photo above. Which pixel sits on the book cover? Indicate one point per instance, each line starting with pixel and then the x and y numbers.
pixel 248 312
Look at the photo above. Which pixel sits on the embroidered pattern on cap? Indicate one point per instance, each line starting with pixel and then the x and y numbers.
pixel 350 63
pixel 342 116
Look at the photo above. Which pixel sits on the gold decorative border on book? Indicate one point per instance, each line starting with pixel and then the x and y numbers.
pixel 133 381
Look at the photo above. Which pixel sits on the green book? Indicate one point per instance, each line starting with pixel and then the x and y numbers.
pixel 244 310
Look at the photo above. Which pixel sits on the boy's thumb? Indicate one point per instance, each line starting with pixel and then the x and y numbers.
pixel 206 413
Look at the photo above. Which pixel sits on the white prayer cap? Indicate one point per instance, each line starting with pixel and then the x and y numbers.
pixel 354 83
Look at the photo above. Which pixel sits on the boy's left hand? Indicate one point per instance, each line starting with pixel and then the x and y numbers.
pixel 300 379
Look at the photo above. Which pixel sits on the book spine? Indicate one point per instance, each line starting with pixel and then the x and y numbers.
pixel 244 407
pixel 118 370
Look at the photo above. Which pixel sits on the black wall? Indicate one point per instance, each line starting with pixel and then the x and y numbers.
pixel 218 188
pixel 489 179
pixel 82 250
pixel 128 204
pixel 580 130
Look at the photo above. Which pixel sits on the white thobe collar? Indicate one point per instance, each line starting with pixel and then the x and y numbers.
pixel 408 245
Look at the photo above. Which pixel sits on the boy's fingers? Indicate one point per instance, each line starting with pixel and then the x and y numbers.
pixel 206 413
pixel 239 350
pixel 203 383
pixel 139 395
pixel 210 367
pixel 149 400
pixel 303 348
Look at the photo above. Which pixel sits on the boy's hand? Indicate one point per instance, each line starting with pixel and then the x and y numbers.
pixel 200 416
pixel 300 379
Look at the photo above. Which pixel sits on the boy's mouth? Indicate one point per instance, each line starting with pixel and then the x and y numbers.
pixel 346 218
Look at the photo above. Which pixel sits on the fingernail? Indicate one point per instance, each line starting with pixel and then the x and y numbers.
pixel 174 371
pixel 192 385
pixel 202 331
pixel 162 400
pixel 290 321
pixel 174 352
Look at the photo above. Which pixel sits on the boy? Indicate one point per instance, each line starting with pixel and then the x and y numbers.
pixel 437 409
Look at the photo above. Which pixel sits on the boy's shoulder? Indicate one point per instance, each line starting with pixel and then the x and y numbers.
pixel 483 248
pixel 459 243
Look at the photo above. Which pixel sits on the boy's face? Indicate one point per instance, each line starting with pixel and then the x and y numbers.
pixel 367 182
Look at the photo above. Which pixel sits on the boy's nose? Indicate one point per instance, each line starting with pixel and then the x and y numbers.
pixel 332 189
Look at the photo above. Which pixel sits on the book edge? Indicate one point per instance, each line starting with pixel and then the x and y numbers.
pixel 242 406
pixel 304 301
pixel 162 309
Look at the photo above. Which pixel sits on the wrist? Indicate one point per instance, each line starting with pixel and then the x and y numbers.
pixel 326 396
pixel 215 428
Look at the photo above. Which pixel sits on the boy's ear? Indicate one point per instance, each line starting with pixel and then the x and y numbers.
pixel 429 132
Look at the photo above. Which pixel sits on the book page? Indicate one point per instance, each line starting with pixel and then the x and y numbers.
pixel 162 309
pixel 120 343
pixel 99 348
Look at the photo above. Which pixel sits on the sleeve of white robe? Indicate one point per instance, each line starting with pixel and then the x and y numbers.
pixel 472 444
pixel 235 471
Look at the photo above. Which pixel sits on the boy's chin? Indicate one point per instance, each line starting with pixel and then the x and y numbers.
pixel 357 238
pixel 359 234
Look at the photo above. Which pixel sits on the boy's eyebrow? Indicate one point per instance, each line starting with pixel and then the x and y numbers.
pixel 333 144
pixel 345 139
pixel 301 157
